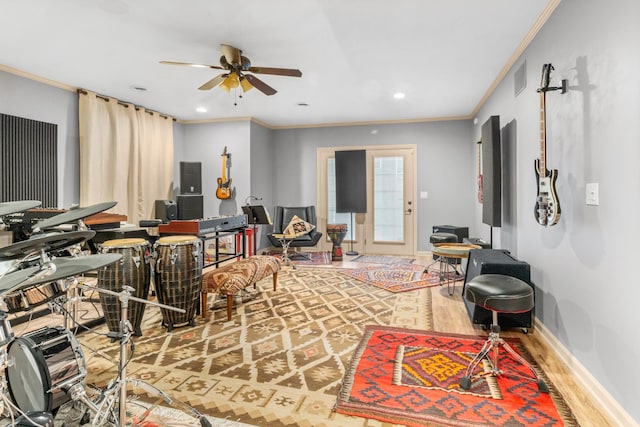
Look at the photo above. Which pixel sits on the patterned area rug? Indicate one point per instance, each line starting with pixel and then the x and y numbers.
pixel 279 362
pixel 382 259
pixel 305 258
pixel 399 277
pixel 416 385
pixel 440 369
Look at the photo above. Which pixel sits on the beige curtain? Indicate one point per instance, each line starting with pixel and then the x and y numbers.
pixel 126 155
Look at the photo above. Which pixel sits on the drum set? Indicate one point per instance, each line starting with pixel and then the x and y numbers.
pixel 44 369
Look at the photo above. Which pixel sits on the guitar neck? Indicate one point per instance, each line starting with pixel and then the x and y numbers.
pixel 543 135
pixel 224 168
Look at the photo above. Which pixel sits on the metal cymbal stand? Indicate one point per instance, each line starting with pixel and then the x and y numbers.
pixel 103 410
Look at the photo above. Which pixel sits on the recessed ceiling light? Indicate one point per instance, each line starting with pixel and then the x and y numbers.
pixel 201 110
pixel 302 104
pixel 139 88
pixel 398 95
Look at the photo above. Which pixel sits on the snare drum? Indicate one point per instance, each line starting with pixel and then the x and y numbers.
pixel 47 362
pixel 35 295
pixel 178 277
pixel 132 270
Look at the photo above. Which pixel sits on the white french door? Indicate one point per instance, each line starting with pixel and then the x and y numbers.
pixel 388 227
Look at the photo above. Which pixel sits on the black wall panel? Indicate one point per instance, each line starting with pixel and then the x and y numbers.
pixel 491 173
pixel 351 181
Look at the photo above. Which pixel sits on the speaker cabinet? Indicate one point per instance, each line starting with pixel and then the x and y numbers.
pixel 496 261
pixel 461 232
pixel 166 210
pixel 190 206
pixel 190 178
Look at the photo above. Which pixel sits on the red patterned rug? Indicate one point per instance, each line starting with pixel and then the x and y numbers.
pixel 399 277
pixel 411 377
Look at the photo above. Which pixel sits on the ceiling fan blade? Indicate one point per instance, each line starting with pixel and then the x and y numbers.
pixel 231 54
pixel 190 64
pixel 276 71
pixel 260 85
pixel 213 82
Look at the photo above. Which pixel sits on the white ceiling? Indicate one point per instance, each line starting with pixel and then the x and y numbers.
pixel 353 54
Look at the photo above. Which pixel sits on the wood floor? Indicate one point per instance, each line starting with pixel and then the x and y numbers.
pixel 449 315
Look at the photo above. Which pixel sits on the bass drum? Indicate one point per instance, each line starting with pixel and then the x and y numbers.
pixel 47 362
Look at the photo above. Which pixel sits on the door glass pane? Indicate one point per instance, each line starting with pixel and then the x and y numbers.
pixel 388 215
pixel 334 217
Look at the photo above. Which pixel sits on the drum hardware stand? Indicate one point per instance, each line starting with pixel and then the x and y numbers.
pixel 119 386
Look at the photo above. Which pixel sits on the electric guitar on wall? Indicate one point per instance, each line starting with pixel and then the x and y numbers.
pixel 480 183
pixel 224 190
pixel 547 209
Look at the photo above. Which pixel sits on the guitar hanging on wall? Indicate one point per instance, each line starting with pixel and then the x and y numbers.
pixel 224 190
pixel 547 209
pixel 480 182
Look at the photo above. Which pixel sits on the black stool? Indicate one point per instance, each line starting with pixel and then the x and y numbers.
pixel 499 294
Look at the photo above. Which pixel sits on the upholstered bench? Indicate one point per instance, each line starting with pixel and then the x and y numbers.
pixel 233 278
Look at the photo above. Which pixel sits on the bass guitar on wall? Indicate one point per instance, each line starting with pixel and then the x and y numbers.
pixel 547 209
pixel 224 190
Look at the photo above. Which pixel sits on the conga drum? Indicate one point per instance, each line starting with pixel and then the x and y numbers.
pixel 178 277
pixel 132 270
pixel 336 233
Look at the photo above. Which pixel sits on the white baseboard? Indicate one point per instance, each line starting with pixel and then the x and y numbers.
pixel 589 384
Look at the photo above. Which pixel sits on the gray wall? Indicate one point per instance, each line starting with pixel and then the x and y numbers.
pixel 37 101
pixel 444 167
pixel 583 267
pixel 205 143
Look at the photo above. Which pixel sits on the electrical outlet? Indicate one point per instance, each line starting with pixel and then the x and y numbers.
pixel 593 194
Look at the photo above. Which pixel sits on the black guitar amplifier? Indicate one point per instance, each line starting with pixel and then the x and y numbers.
pixel 461 232
pixel 496 261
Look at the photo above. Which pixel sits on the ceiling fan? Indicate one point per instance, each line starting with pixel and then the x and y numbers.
pixel 237 66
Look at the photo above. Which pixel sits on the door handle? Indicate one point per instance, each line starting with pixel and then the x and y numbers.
pixel 408 211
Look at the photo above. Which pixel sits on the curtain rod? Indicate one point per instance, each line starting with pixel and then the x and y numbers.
pixel 124 104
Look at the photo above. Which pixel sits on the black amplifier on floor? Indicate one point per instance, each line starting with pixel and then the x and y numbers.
pixel 496 261
pixel 461 232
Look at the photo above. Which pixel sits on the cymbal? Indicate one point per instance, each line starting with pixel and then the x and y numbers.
pixel 47 242
pixel 12 280
pixel 7 208
pixel 64 267
pixel 72 215
pixel 67 267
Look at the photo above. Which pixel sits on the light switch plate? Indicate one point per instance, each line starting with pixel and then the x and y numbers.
pixel 593 194
pixel 424 194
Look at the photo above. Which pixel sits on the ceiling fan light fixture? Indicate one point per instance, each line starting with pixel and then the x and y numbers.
pixel 245 85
